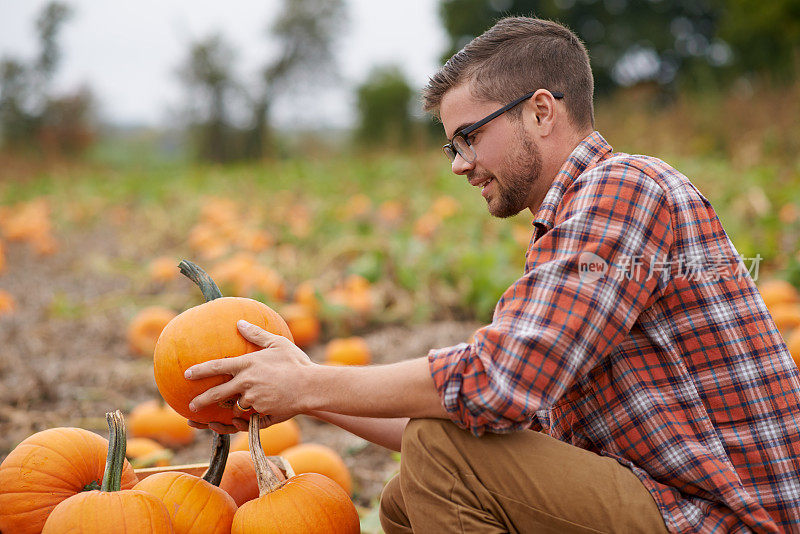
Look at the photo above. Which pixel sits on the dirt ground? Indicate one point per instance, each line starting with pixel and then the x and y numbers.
pixel 64 360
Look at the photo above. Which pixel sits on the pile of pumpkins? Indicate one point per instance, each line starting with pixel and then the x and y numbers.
pixel 56 480
pixel 783 303
pixel 73 480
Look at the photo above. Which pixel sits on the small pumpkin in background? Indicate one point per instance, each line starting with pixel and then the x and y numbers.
pixel 274 438
pixel 306 296
pixel 786 317
pixel 146 452
pixel 348 351
pixel 145 327
pixel 162 269
pixel 7 303
pixel 128 510
pixel 793 343
pixel 776 291
pixel 196 505
pixel 47 468
pixel 207 332
pixel 317 458
pixel 307 502
pixel 155 420
pixel 239 478
pixel 303 324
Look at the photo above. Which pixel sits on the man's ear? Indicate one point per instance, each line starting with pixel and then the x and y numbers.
pixel 543 112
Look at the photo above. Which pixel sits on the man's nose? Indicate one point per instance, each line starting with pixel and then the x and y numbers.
pixel 461 166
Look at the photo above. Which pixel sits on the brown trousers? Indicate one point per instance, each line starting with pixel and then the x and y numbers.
pixel 452 481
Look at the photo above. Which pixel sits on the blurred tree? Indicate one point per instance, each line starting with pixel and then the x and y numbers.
pixel 764 36
pixel 383 108
pixel 208 76
pixel 305 32
pixel 30 115
pixel 629 41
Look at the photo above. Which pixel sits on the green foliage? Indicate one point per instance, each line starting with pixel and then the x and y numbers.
pixel 765 36
pixel 628 41
pixel 383 108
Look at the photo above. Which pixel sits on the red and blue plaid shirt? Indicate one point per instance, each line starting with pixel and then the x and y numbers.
pixel 637 332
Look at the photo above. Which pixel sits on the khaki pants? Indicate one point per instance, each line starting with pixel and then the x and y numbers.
pixel 451 481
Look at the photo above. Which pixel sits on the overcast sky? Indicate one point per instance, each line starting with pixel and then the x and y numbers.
pixel 128 52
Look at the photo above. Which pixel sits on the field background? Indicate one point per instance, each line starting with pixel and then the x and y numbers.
pixel 434 261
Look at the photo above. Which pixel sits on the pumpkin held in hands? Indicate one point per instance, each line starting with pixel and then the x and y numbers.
pixel 207 332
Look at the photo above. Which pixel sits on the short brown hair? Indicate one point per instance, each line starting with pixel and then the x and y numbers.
pixel 515 56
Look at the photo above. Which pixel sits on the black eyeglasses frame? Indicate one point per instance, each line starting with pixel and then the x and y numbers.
pixel 450 150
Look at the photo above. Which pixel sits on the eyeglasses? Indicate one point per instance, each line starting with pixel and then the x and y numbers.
pixel 460 145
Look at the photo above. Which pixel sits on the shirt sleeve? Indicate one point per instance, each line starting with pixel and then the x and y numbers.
pixel 553 325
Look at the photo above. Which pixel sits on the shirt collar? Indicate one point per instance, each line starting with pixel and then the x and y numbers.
pixel 592 149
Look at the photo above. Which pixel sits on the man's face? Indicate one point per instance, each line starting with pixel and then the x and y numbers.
pixel 508 163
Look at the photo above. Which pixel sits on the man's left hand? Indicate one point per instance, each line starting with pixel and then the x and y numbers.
pixel 270 381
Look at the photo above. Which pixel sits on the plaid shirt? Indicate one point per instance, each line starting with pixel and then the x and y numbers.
pixel 663 357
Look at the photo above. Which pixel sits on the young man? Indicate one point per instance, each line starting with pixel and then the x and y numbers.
pixel 631 380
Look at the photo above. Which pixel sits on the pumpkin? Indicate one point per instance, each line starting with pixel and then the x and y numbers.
pixel 196 505
pixel 274 439
pixel 7 303
pixel 306 296
pixel 145 452
pixel 794 345
pixel 239 478
pixel 776 291
pixel 304 503
pixel 162 270
pixel 46 469
pixel 125 510
pixel 316 458
pixel 2 257
pixel 303 324
pixel 347 351
pixel 146 326
pixel 155 420
pixel 786 316
pixel 207 332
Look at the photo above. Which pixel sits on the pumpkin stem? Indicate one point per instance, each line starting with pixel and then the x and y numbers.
pixel 267 481
pixel 197 275
pixel 220 447
pixel 222 442
pixel 115 461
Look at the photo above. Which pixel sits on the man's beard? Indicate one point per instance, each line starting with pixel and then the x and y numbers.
pixel 520 171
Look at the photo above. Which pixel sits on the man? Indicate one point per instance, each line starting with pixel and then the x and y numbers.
pixel 631 380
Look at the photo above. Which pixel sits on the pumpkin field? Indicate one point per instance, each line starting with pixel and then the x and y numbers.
pixel 370 258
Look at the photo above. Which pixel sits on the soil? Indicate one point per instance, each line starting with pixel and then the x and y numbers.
pixel 64 359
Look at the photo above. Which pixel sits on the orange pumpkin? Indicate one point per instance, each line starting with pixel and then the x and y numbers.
pixel 309 502
pixel 2 257
pixel 95 511
pixel 155 420
pixel 777 291
pixel 145 452
pixel 305 295
pixel 207 332
pixel 794 345
pixel 46 469
pixel 7 303
pixel 348 351
pixel 162 270
pixel 316 458
pixel 274 439
pixel 786 317
pixel 303 324
pixel 239 479
pixel 145 328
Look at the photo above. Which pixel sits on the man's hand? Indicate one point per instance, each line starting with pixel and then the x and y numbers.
pixel 269 381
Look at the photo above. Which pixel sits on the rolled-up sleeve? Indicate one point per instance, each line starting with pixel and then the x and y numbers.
pixel 556 323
